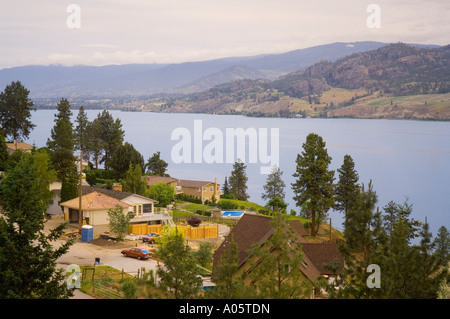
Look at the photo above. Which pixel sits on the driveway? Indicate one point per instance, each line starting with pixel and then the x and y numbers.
pixel 84 254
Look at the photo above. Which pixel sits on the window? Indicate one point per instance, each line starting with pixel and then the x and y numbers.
pixel 211 189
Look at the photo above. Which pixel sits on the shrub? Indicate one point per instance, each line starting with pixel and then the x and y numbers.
pixel 129 289
pixel 194 221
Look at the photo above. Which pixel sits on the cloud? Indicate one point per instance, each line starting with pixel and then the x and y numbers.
pixel 173 31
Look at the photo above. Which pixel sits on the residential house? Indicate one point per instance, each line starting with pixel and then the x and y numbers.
pixel 97 201
pixel 12 147
pixel 201 189
pixel 152 180
pixel 258 229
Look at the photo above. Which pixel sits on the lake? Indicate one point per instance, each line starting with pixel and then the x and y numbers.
pixel 404 159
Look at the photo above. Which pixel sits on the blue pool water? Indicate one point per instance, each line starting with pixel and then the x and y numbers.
pixel 232 214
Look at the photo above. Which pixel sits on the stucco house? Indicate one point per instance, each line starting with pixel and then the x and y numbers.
pixel 203 190
pixel 152 180
pixel 97 201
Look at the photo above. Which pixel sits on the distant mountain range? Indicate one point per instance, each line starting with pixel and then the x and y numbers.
pixel 393 81
pixel 56 81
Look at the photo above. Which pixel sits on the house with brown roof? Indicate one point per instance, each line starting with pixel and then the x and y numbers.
pixel 95 208
pixel 152 180
pixel 257 229
pixel 21 146
pixel 97 201
pixel 203 190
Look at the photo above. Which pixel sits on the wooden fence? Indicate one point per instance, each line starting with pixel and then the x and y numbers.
pixel 142 229
pixel 207 231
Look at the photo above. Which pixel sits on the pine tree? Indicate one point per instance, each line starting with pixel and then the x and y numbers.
pixel 314 180
pixel 274 186
pixel 275 265
pixel 15 111
pixel 111 133
pixel 238 181
pixel 3 153
pixel 62 146
pixel 225 187
pixel 94 143
pixel 361 248
pixel 347 187
pixel 123 156
pixel 228 285
pixel 156 166
pixel 178 272
pixel 133 181
pixel 441 246
pixel 28 260
pixel 81 132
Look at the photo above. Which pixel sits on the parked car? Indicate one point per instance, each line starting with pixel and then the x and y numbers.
pixel 137 252
pixel 150 238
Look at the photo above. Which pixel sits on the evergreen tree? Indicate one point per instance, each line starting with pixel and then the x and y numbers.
pixel 361 248
pixel 347 188
pixel 156 166
pixel 178 271
pixel 111 133
pixel 45 174
pixel 94 143
pixel 62 146
pixel 275 265
pixel 228 285
pixel 274 186
pixel 314 181
pixel 28 258
pixel 3 153
pixel 441 246
pixel 225 187
pixel 203 255
pixel 15 111
pixel 133 181
pixel 238 181
pixel 122 157
pixel 81 132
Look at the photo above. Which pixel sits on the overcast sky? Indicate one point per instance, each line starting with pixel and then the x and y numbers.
pixel 173 31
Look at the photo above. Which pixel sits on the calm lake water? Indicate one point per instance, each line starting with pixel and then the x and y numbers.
pixel 404 159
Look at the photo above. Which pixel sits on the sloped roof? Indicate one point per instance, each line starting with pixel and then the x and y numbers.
pixel 113 193
pixel 323 253
pixel 94 201
pixel 151 180
pixel 189 183
pixel 20 146
pixel 253 229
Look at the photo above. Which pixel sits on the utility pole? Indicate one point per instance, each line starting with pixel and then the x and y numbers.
pixel 330 229
pixel 80 193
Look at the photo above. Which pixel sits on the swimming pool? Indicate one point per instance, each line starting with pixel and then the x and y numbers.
pixel 232 214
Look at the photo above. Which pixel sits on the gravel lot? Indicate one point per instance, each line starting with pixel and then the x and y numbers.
pixel 84 253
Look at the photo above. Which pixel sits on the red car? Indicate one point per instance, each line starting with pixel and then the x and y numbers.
pixel 137 252
pixel 150 238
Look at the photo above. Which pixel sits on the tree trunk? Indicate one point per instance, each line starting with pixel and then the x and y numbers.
pixel 313 223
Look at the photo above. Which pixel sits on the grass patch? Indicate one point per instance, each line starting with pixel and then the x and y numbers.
pixel 106 282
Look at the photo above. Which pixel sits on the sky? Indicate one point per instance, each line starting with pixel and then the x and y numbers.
pixel 100 32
